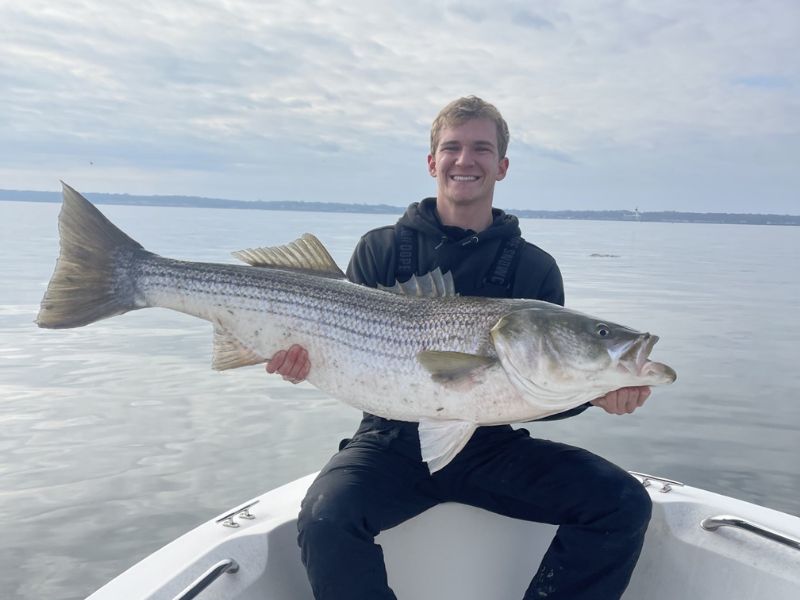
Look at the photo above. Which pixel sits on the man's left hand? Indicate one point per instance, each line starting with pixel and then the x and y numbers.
pixel 623 401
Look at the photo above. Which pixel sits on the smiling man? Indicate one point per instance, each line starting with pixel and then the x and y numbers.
pixel 378 480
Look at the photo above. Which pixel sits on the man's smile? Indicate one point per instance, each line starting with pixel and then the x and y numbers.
pixel 464 177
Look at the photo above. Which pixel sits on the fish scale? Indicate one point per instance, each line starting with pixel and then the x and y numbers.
pixel 371 322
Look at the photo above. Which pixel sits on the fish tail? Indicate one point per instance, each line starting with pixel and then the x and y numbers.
pixel 89 281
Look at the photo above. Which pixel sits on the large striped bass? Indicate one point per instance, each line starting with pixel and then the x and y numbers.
pixel 415 352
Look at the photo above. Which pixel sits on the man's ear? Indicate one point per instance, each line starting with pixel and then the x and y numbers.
pixel 431 165
pixel 502 169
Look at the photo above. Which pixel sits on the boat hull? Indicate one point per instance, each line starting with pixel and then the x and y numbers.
pixel 487 555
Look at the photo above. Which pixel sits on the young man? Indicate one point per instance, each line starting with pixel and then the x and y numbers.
pixel 378 480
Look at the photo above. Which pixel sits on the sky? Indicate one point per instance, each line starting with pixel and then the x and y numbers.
pixel 688 105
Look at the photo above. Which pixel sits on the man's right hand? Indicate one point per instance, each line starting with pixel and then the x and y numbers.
pixel 292 364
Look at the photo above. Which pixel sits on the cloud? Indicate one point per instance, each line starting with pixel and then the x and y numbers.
pixel 525 18
pixel 176 92
pixel 764 81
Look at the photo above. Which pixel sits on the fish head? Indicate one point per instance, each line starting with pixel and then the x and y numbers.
pixel 555 354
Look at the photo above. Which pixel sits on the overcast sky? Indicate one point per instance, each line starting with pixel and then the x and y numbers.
pixel 612 104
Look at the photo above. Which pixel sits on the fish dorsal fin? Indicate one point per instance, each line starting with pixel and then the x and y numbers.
pixel 306 254
pixel 431 285
pixel 441 441
pixel 230 353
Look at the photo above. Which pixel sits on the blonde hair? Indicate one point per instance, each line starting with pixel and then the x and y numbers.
pixel 465 109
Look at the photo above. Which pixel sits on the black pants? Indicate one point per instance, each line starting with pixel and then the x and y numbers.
pixel 377 481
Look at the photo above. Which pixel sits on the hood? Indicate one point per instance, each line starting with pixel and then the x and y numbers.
pixel 422 217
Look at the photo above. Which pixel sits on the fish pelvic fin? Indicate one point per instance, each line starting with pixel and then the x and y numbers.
pixel 306 254
pixel 434 284
pixel 441 441
pixel 86 286
pixel 230 353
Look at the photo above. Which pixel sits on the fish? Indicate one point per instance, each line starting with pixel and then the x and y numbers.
pixel 416 351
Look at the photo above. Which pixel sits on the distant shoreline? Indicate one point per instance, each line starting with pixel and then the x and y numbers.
pixel 575 215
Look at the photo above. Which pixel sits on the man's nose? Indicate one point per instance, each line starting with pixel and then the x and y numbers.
pixel 465 157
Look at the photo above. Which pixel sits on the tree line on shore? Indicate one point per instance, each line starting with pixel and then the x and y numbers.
pixel 291 205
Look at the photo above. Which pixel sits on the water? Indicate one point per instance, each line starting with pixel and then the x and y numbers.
pixel 116 438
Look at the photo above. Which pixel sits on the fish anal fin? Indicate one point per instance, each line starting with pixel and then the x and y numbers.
pixel 441 441
pixel 455 368
pixel 306 254
pixel 230 353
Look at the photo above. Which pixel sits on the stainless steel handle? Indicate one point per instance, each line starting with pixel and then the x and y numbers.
pixel 198 585
pixel 714 523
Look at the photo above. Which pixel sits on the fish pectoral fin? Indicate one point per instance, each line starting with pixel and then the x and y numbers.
pixel 453 367
pixel 441 441
pixel 230 353
pixel 306 254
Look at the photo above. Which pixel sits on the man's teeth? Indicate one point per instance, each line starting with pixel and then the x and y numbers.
pixel 465 178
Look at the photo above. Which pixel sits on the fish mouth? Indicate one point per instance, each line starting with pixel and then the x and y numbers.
pixel 635 360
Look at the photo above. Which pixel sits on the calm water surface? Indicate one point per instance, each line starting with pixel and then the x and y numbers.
pixel 117 437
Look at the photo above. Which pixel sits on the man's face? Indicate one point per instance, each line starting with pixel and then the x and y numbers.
pixel 466 164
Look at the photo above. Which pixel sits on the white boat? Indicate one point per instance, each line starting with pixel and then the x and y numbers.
pixel 699 545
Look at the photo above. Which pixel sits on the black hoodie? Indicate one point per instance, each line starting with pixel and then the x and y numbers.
pixel 468 255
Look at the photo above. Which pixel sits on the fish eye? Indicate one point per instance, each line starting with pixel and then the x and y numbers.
pixel 602 330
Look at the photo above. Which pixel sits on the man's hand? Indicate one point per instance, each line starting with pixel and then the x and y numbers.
pixel 623 401
pixel 292 364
